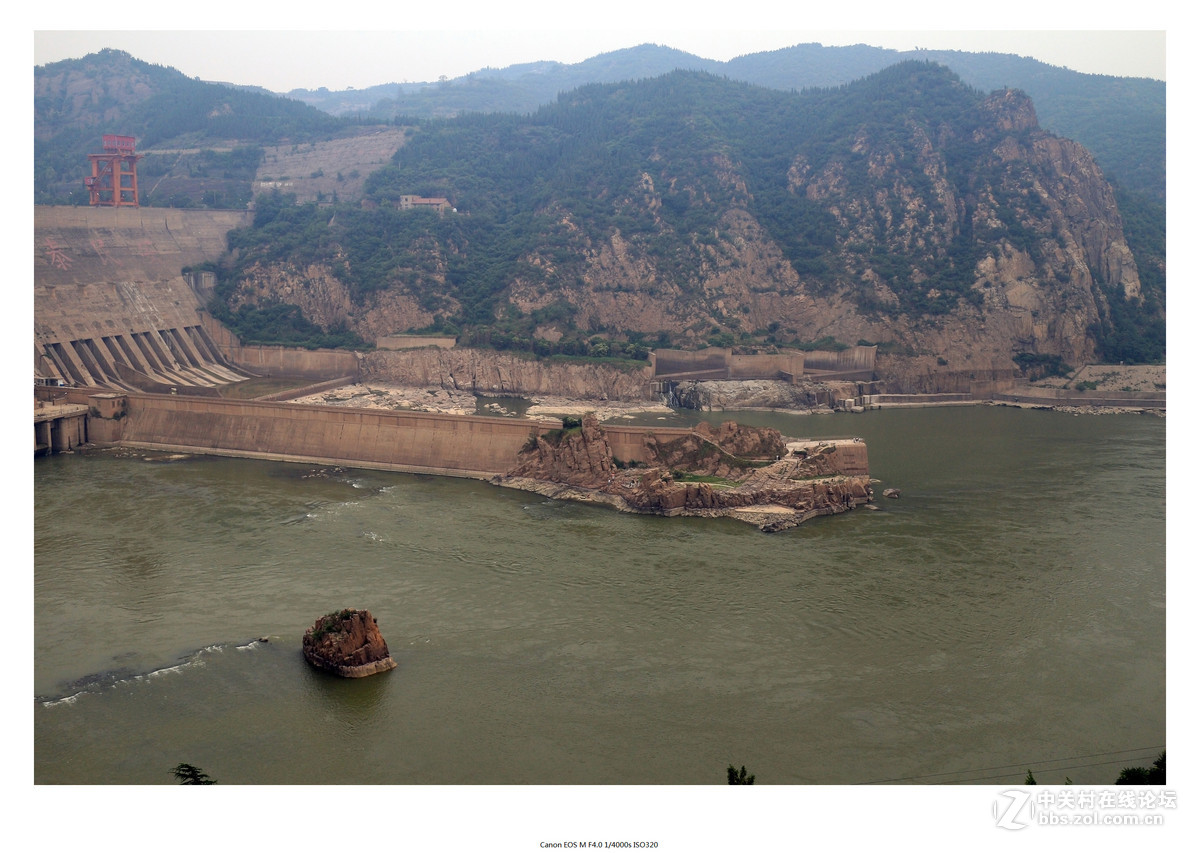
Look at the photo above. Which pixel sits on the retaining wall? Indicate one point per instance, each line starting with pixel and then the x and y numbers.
pixel 1106 399
pixel 288 361
pixel 766 366
pixel 627 442
pixel 403 441
pixel 458 445
pixel 262 360
pixel 857 362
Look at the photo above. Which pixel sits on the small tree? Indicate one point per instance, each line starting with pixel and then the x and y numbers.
pixel 1156 774
pixel 189 774
pixel 739 778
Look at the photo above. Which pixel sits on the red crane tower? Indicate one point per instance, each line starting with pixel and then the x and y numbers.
pixel 113 182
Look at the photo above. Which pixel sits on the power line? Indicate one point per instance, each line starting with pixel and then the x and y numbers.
pixel 1028 765
pixel 1057 769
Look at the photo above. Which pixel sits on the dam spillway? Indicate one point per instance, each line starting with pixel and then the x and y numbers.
pixel 112 306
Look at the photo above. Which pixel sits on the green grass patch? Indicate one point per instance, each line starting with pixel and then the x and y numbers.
pixel 687 477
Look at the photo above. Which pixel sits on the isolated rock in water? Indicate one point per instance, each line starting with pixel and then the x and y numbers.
pixel 891 493
pixel 347 643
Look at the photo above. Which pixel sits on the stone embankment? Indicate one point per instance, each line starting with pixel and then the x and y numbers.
pixel 747 473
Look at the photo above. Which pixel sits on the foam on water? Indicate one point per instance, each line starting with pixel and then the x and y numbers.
pixel 97 683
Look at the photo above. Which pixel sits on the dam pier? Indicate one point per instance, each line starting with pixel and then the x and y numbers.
pixel 58 428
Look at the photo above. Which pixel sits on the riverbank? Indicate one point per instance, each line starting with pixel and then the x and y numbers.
pixel 1081 410
pixel 383 395
pixel 1050 395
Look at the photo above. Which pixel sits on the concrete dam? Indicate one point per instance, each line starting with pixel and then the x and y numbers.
pixel 112 307
pixel 124 353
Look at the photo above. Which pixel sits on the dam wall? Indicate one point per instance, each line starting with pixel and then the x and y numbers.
pixel 628 442
pixel 112 307
pixel 462 446
pixel 851 359
pixel 722 363
pixel 455 445
pixel 766 366
pixel 711 363
pixel 416 442
pixel 292 362
pixel 264 360
pixel 81 246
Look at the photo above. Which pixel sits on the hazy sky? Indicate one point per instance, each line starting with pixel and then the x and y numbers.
pixel 423 45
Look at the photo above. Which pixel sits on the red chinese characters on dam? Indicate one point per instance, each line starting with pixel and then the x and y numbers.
pixel 57 256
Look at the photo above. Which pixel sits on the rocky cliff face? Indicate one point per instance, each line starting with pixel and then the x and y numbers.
pixel 325 300
pixel 1039 204
pixel 502 373
pixel 747 473
pixel 955 243
pixel 958 247
pixel 347 643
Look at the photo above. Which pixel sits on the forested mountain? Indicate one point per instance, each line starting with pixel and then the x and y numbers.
pixel 206 140
pixel 906 209
pixel 1122 121
pixel 221 129
pixel 913 208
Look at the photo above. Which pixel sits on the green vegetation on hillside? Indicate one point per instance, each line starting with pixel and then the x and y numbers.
pixel 1137 333
pixel 1121 120
pixel 162 108
pixel 584 158
pixel 850 183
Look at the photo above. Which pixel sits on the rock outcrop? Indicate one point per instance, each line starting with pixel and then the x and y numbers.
pixel 505 373
pixel 347 643
pixel 748 473
pixel 949 229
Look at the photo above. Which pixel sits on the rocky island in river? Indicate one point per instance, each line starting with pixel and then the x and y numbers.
pixel 752 474
pixel 347 643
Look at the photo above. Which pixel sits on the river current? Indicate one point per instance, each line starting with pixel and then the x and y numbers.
pixel 1007 613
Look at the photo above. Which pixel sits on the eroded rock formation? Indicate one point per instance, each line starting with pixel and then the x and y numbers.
pixel 749 473
pixel 505 373
pixel 347 643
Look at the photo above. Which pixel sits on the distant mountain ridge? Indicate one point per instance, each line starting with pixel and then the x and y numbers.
pixel 1121 120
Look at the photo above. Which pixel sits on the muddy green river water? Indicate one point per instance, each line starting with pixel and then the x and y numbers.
pixel 1007 612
